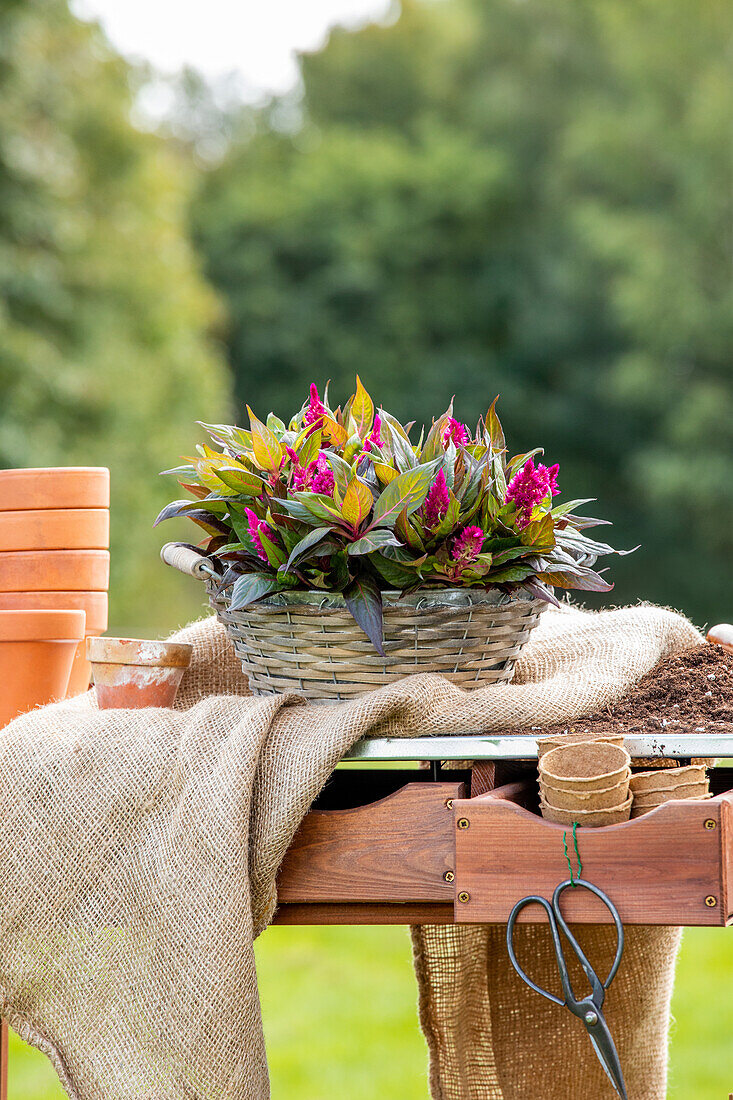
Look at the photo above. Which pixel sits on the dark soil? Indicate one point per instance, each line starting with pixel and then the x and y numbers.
pixel 691 692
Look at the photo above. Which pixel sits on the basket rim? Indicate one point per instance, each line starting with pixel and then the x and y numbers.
pixel 419 600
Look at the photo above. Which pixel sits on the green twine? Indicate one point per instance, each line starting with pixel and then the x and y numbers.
pixel 577 854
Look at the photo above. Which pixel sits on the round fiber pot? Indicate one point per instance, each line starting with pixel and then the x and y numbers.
pixel 586 800
pixel 36 654
pixel 669 777
pixel 132 673
pixel 54 487
pixel 640 806
pixel 591 817
pixel 546 744
pixel 585 765
pixel 667 794
pixel 55 529
pixel 54 570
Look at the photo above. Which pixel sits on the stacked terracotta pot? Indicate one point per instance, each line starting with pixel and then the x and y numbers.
pixel 54 558
pixel 585 782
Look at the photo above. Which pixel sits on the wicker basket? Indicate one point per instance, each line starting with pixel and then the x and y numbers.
pixel 308 642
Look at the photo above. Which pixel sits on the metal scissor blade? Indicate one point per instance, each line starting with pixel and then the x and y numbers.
pixel 605 1048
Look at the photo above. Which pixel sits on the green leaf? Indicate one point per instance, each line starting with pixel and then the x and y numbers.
pixel 320 506
pixel 511 573
pixel 396 574
pixel 243 482
pixel 364 601
pixel 494 428
pixel 313 538
pixel 570 506
pixel 251 587
pixel 342 472
pixel 275 554
pixel 406 493
pixel 373 540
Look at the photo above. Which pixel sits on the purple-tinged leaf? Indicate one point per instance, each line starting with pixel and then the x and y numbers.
pixel 251 587
pixel 308 542
pixel 364 601
pixel 405 494
pixel 373 540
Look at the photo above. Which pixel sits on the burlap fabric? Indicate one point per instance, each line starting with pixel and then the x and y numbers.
pixel 138 854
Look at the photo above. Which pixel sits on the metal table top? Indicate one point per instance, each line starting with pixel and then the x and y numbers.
pixel 507 747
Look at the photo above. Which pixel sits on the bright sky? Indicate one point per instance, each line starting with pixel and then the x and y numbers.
pixel 257 39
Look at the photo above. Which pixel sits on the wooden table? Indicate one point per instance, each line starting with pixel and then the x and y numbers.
pixel 440 846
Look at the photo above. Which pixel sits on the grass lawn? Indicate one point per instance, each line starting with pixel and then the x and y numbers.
pixel 340 1018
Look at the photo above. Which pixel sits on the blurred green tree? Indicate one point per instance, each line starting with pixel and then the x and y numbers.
pixel 528 198
pixel 104 357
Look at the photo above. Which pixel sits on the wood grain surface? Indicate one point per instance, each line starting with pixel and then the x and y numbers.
pixel 395 850
pixel 667 867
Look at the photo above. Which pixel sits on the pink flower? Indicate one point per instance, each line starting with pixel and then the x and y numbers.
pixel 466 546
pixel 316 409
pixel 373 440
pixel 454 431
pixel 436 502
pixel 258 527
pixel 321 475
pixel 529 487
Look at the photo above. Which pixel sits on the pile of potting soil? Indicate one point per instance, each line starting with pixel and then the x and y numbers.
pixel 691 692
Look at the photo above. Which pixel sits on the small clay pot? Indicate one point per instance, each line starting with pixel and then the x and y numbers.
pixel 54 571
pixel 722 634
pixel 584 765
pixel 603 799
pixel 132 673
pixel 596 818
pixel 55 529
pixel 54 487
pixel 36 654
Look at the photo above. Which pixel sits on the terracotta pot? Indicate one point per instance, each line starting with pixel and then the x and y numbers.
pixel 130 672
pixel 54 487
pixel 54 571
pixel 36 654
pixel 55 529
pixel 94 604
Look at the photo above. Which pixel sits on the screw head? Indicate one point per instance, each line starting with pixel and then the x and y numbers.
pixel 449 803
pixel 711 901
pixel 591 1017
pixel 464 896
pixel 710 823
pixel 449 876
pixel 463 822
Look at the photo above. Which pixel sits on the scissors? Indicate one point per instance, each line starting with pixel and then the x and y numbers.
pixel 587 1009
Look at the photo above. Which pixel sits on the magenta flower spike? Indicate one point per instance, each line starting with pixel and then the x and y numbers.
pixel 466 545
pixel 455 432
pixel 257 527
pixel 436 502
pixel 316 409
pixel 529 487
pixel 321 475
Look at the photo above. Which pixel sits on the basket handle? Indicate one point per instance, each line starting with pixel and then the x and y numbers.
pixel 187 560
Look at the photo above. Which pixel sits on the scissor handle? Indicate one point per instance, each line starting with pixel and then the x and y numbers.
pixel 557 922
pixel 521 904
pixel 597 985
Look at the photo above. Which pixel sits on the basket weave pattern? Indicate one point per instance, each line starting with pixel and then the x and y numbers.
pixel 320 653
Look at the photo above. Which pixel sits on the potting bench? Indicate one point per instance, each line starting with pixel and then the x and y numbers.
pixel 441 845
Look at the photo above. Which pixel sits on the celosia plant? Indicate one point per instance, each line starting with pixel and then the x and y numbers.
pixel 342 500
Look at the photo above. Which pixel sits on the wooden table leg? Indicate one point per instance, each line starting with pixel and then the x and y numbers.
pixel 3 1060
